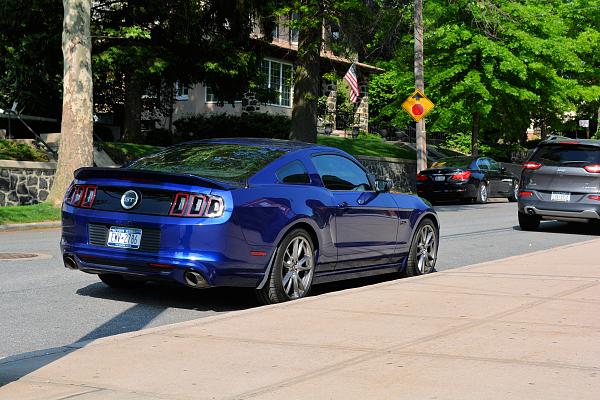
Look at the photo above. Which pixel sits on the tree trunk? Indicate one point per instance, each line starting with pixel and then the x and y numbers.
pixel 421 135
pixel 76 139
pixel 475 135
pixel 132 114
pixel 307 77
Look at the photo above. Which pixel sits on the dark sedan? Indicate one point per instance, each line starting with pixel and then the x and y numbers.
pixel 470 179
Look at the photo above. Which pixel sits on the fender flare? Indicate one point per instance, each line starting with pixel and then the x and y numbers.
pixel 280 237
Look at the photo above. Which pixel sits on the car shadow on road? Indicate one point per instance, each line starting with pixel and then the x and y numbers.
pixel 164 295
pixel 149 302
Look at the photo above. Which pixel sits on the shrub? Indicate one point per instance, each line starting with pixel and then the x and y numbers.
pixel 158 137
pixel 260 125
pixel 10 150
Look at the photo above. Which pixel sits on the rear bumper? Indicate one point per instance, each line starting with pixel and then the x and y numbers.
pixel 561 215
pixel 447 190
pixel 217 251
pixel 552 210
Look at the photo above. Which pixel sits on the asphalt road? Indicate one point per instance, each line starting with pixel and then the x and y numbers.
pixel 43 305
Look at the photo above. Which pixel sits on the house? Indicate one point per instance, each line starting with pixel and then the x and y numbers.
pixel 278 67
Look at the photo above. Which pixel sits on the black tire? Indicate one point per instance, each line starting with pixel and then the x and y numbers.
pixel 299 279
pixel 514 196
pixel 412 265
pixel 482 193
pixel 119 282
pixel 529 222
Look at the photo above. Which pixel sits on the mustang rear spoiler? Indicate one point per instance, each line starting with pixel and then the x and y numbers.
pixel 146 176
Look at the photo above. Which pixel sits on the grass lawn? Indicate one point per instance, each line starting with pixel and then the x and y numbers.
pixel 125 152
pixel 22 214
pixel 367 147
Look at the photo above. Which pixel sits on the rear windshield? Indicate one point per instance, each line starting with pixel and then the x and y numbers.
pixel 454 162
pixel 232 163
pixel 567 154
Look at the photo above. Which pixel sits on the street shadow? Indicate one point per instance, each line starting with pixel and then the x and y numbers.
pixel 164 295
pixel 132 319
pixel 148 302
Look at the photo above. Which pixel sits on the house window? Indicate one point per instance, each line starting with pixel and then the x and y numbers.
pixel 181 92
pixel 210 95
pixel 279 80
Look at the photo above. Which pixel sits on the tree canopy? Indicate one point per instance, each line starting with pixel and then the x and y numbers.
pixel 497 66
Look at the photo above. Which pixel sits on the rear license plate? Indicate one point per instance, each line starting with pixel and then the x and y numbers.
pixel 560 196
pixel 439 178
pixel 125 238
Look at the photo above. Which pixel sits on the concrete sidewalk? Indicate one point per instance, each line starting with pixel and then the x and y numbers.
pixel 527 327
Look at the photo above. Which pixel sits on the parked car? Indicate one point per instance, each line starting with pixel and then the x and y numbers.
pixel 561 181
pixel 277 216
pixel 470 179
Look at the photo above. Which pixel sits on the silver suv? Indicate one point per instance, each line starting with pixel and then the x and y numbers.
pixel 561 181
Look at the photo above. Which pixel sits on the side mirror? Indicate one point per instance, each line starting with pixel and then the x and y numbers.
pixel 383 185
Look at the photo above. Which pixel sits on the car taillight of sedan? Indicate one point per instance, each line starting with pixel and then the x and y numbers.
pixel 422 178
pixel 461 176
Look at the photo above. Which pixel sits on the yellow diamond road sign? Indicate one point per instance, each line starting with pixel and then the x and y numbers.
pixel 417 105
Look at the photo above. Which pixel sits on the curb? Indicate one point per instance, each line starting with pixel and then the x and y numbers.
pixel 29 226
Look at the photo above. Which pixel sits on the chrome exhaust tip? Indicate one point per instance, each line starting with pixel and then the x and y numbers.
pixel 195 280
pixel 530 211
pixel 70 262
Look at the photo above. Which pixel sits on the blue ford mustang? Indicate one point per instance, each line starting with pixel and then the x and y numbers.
pixel 277 216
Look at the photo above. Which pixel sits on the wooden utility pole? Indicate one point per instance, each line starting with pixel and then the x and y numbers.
pixel 76 140
pixel 420 84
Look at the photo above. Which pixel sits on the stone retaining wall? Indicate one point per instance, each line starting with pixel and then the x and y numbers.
pixel 400 171
pixel 25 182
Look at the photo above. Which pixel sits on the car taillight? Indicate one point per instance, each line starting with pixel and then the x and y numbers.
pixel 594 168
pixel 197 205
pixel 531 165
pixel 422 178
pixel 594 197
pixel 461 176
pixel 525 193
pixel 81 196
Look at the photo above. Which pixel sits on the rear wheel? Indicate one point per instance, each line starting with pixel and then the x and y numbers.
pixel 529 222
pixel 423 249
pixel 119 282
pixel 482 194
pixel 514 195
pixel 292 273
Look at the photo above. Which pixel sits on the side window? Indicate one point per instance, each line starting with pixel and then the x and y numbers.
pixel 293 173
pixel 483 164
pixel 494 166
pixel 340 173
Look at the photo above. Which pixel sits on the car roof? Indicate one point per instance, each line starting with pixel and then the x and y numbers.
pixel 566 140
pixel 275 144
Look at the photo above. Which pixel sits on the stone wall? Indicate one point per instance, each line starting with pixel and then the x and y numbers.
pixel 25 182
pixel 402 172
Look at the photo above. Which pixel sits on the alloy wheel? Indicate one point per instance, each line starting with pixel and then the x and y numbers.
pixel 426 249
pixel 297 268
pixel 483 193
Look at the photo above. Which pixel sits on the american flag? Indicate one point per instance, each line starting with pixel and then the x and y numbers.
pixel 352 78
